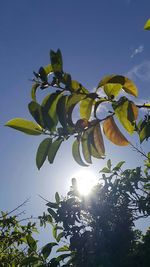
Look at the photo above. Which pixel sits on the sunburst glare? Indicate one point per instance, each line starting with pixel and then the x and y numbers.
pixel 85 181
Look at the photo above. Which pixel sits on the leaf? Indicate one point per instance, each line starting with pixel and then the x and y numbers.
pixel 36 112
pixel 62 249
pixel 43 75
pixel 76 153
pixel 98 140
pixel 61 110
pixel 29 260
pixel 73 100
pixel 57 197
pixel 147 25
pixel 86 108
pixel 112 90
pixel 113 133
pixel 145 131
pixel 60 235
pixel 48 69
pixel 52 213
pixel 109 164
pixel 76 86
pixel 126 112
pixel 42 152
pixel 118 166
pixel 52 205
pixel 46 250
pixel 86 147
pixel 31 242
pixel 49 106
pixel 33 91
pixel 128 85
pixel 56 61
pixel 93 149
pixel 25 126
pixel 105 170
pixel 53 149
pixel 101 100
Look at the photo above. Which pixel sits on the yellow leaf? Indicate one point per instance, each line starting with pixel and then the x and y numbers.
pixel 113 133
pixel 147 25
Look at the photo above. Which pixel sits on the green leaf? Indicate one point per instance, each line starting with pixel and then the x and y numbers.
pixel 76 153
pixel 73 100
pixel 28 261
pixel 60 235
pixel 118 166
pixel 52 205
pixel 31 242
pixel 105 170
pixel 52 213
pixel 57 197
pixel 53 149
pixel 61 110
pixel 145 131
pixel 147 25
pixel 42 152
pixel 48 69
pixel 76 86
pixel 109 164
pixel 25 126
pixel 49 106
pixel 128 85
pixel 112 90
pixel 62 249
pixel 46 250
pixel 33 91
pixel 56 61
pixel 36 111
pixel 126 112
pixel 42 74
pixel 86 108
pixel 86 147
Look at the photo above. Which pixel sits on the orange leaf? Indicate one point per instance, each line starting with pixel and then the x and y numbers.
pixel 98 140
pixel 113 133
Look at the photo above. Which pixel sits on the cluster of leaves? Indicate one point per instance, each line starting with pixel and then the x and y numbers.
pixel 100 227
pixel 18 247
pixel 54 115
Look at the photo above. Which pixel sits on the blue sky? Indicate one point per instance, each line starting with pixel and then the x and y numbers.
pixel 96 38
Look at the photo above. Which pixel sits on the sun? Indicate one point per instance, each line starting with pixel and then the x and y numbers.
pixel 85 181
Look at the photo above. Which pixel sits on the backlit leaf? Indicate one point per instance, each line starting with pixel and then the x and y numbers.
pixel 53 149
pixel 64 248
pixel 49 106
pixel 48 69
pixel 42 152
pixel 113 133
pixel 93 149
pixel 128 85
pixel 56 61
pixel 76 86
pixel 36 111
pixel 73 100
pixel 57 197
pixel 61 110
pixel 127 113
pixel 86 108
pixel 31 242
pixel 98 140
pixel 76 153
pixel 118 166
pixel 46 250
pixel 86 147
pixel 33 91
pixel 112 90
pixel 25 126
pixel 147 25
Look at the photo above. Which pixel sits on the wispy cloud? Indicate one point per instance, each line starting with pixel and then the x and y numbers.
pixel 138 50
pixel 141 71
